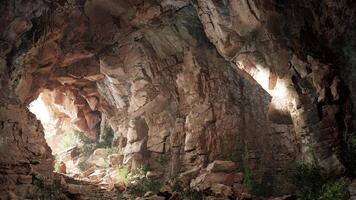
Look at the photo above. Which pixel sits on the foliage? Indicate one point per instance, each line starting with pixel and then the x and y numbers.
pixel 106 138
pixel 308 181
pixel 347 152
pixel 249 181
pixel 72 138
pixel 186 192
pixel 142 185
pixel 69 140
pixel 312 184
pixel 336 190
pixel 83 165
pixel 111 150
pixel 82 137
pixel 87 149
pixel 137 183
pixel 123 174
pixel 56 165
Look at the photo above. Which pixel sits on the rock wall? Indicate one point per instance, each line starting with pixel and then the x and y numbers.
pixel 258 39
pixel 181 83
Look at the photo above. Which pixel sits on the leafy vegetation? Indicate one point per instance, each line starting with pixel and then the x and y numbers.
pixel 186 192
pixel 56 165
pixel 83 165
pixel 312 184
pixel 123 174
pixel 347 152
pixel 142 185
pixel 250 182
pixel 137 184
pixel 69 140
pixel 106 138
pixel 334 190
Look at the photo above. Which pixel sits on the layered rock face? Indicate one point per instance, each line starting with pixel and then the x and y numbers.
pixel 181 83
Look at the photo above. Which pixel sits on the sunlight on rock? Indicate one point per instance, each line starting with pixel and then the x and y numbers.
pixel 39 108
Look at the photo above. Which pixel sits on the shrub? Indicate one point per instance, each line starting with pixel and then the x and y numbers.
pixel 87 149
pixel 106 138
pixel 312 184
pixel 336 190
pixel 56 165
pixel 249 181
pixel 136 183
pixel 83 165
pixel 308 180
pixel 69 140
pixel 186 192
pixel 123 174
pixel 142 185
pixel 347 152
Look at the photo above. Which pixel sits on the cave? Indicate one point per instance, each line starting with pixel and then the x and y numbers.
pixel 177 99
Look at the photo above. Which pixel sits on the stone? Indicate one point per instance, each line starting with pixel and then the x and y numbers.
pixel 206 180
pixel 221 166
pixel 116 159
pixel 221 190
pixel 190 174
pixel 238 189
pixel 96 176
pixel 300 66
pixel 16 28
pixel 238 177
pixel 92 119
pixel 190 142
pixel 24 179
pixel 135 147
pixel 152 175
pixel 202 76
pixel 62 168
pixel 137 130
pixel 352 188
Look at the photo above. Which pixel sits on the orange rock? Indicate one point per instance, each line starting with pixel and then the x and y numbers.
pixel 62 168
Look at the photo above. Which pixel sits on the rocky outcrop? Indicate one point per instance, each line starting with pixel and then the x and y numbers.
pixel 25 156
pixel 182 84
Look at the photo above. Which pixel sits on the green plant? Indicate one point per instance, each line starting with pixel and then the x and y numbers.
pixel 249 181
pixel 82 137
pixel 335 190
pixel 83 166
pixel 87 149
pixel 70 139
pixel 140 186
pixel 106 138
pixel 347 152
pixel 312 184
pixel 186 192
pixel 56 165
pixel 123 174
pixel 162 161
pixel 137 184
pixel 308 180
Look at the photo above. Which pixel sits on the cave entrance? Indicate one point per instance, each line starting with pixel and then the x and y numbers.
pixel 77 155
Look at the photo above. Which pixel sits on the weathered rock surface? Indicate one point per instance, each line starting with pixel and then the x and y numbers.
pixel 181 83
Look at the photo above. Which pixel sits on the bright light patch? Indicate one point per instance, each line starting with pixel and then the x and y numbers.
pixel 39 108
pixel 261 75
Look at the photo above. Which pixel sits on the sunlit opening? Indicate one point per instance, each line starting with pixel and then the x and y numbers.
pixel 39 108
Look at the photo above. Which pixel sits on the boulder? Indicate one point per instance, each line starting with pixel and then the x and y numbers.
pixel 207 180
pixel 221 190
pixel 221 166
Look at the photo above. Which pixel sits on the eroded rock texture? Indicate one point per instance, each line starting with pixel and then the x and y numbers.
pixel 258 83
